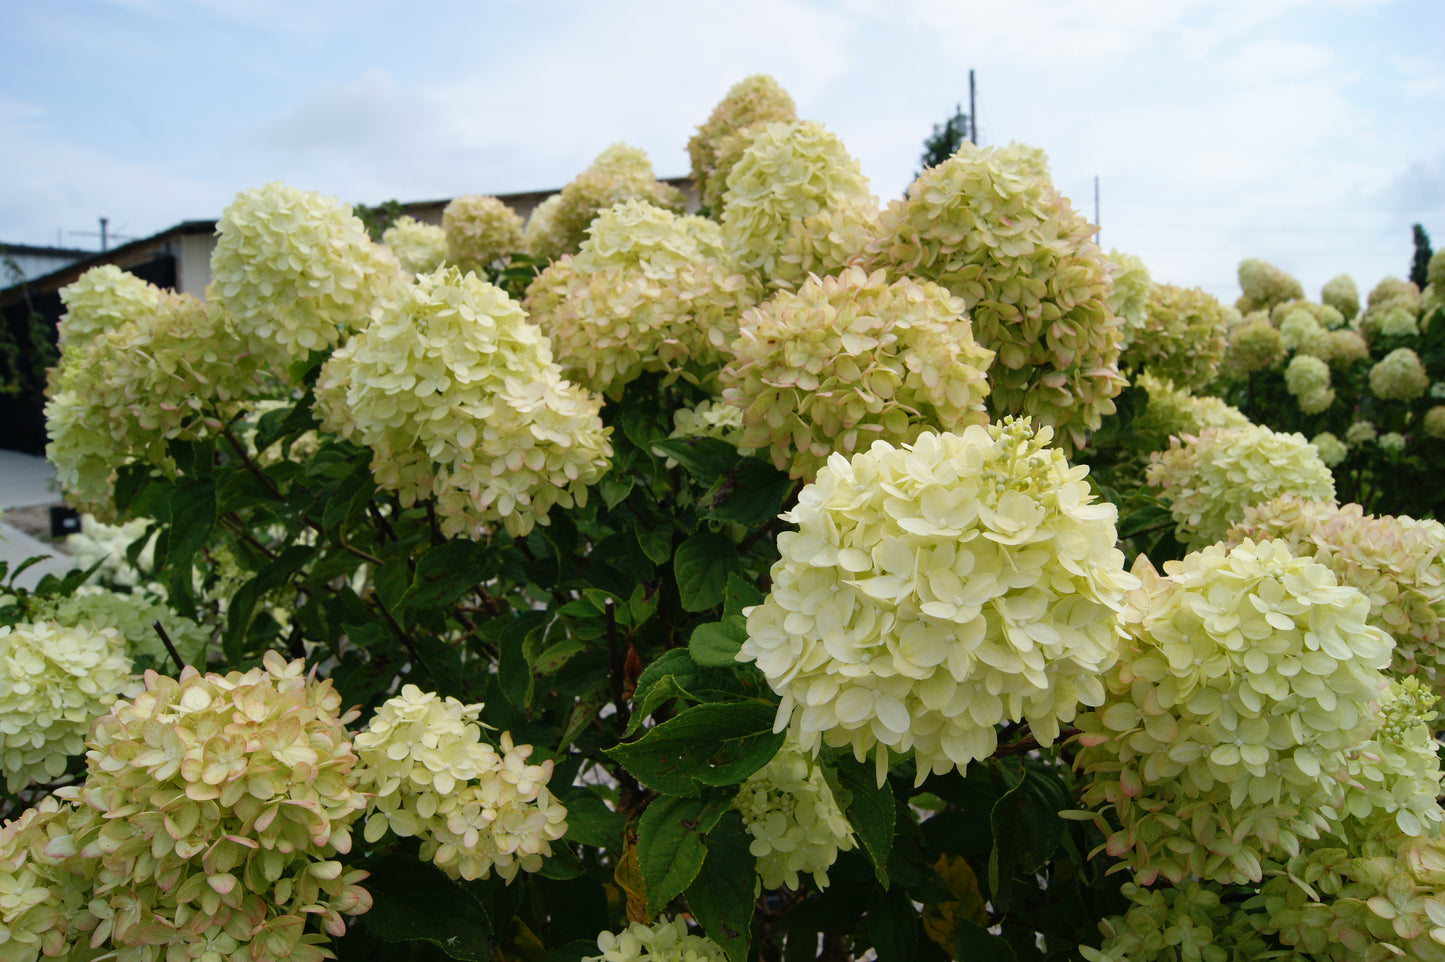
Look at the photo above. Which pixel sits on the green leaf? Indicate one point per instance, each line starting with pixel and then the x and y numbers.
pixel 667 678
pixel 1025 834
pixel 708 745
pixel 715 644
pixel 893 926
pixel 870 809
pixel 1143 519
pixel 721 896
pixel 518 643
pixel 753 494
pixel 193 515
pixel 655 541
pixel 349 496
pixel 446 572
pixel 975 943
pixel 584 711
pixel 669 844
pixel 591 822
pixel 702 566
pixel 739 594
pixel 615 490
pixel 243 603
pixel 412 901
pixel 704 458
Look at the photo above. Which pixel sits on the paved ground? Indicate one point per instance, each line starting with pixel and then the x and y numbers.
pixel 27 481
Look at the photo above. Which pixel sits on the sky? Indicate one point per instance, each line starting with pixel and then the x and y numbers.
pixel 1308 133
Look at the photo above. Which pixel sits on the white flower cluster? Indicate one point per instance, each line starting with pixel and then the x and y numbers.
pixel 1399 377
pixel 788 172
pixel 1397 772
pixel 108 544
pixel 54 681
pixel 935 590
pixel 419 248
pixel 431 776
pixel 102 299
pixel 1210 478
pixel 1308 379
pixel 133 614
pixel 296 269
pixel 648 291
pixel 479 230
pixel 794 820
pixel 1248 681
pixel 750 105
pixel 459 400
pixel 1182 338
pixel 1129 297
pixel 667 941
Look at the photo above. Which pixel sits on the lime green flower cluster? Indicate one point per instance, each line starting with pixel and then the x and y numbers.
pixel 1392 442
pixel 211 814
pixel 1265 286
pixel 1187 922
pixel 1302 333
pixel 162 375
pixel 459 400
pixel 41 904
pixel 1389 295
pixel 1332 450
pixel 419 248
pixel 1397 563
pixel 1361 432
pixel 935 590
pixel 429 775
pixel 1397 772
pixel 1399 376
pixel 710 419
pixel 1182 338
pixel 750 105
pixel 297 269
pixel 788 172
pixel 100 300
pixel 1129 297
pixel 1434 421
pixel 479 230
pixel 796 824
pixel 1307 378
pixel 108 545
pixel 1432 298
pixel 1210 478
pixel 989 225
pixel 648 291
pixel 559 225
pixel 133 614
pixel 1248 680
pixel 1172 411
pixel 54 681
pixel 1341 293
pixel 827 242
pixel 1254 345
pixel 852 359
pixel 666 941
pixel 1344 347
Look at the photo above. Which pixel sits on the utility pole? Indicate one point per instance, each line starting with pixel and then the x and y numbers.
pixel 972 112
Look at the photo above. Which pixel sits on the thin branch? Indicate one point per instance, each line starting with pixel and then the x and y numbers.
pixel 170 646
pixel 617 666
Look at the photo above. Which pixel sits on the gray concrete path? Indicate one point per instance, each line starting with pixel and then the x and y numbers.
pixel 26 481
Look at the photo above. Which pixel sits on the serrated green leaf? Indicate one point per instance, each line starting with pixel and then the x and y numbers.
pixel 893 926
pixel 752 494
pixel 670 844
pixel 517 645
pixel 739 595
pixel 871 810
pixel 705 746
pixel 702 565
pixel 446 572
pixel 1025 834
pixel 704 458
pixel 715 644
pixel 655 541
pixel 721 896
pixel 584 711
pixel 193 516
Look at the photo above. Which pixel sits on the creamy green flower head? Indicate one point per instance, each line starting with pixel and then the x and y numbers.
pixel 167 374
pixel 1392 291
pixel 459 400
pixel 133 615
pixel 1248 681
pixel 618 174
pixel 1395 321
pixel 479 230
pixel 1332 450
pixel 850 359
pixel 796 824
pixel 989 225
pixel 297 269
pixel 935 590
pixel 1173 411
pixel 1303 334
pixel 1434 422
pixel 790 171
pixel 1397 772
pixel 1392 441
pixel 710 419
pixel 666 941
pixel 645 293
pixel 1360 432
pixel 419 248
pixel 107 545
pixel 54 680
pixel 1286 518
pixel 42 902
pixel 102 299
pixel 1178 922
pixel 1254 345
pixel 1264 286
pixel 1210 478
pixel 827 243
pixel 1182 338
pixel 1341 293
pixel 428 774
pixel 1399 377
pixel 221 803
pixel 1308 379
pixel 1345 348
pixel 750 105
pixel 1129 298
